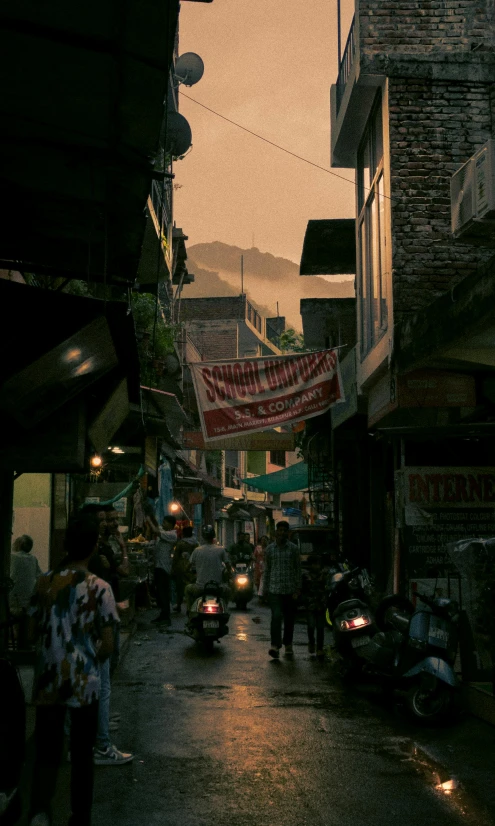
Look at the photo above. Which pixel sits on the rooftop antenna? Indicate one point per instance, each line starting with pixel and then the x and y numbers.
pixel 277 309
pixel 242 275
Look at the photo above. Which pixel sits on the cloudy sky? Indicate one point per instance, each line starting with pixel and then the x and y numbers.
pixel 269 65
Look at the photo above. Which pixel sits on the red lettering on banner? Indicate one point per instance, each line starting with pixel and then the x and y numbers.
pixel 228 380
pixel 260 387
pixel 249 378
pixel 278 410
pixel 239 381
pixel 271 376
pixel 210 391
pixel 281 377
pixel 216 374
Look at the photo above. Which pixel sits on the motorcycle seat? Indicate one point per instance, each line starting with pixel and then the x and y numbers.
pixel 349 604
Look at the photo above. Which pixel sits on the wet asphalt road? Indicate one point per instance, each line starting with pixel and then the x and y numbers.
pixel 236 738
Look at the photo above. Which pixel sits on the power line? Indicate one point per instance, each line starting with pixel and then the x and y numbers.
pixel 277 146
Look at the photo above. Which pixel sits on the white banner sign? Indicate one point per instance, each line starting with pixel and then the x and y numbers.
pixel 248 395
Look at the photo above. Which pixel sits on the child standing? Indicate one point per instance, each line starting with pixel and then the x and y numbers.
pixel 315 593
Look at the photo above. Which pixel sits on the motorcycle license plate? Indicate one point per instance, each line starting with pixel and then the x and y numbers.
pixel 211 624
pixel 359 641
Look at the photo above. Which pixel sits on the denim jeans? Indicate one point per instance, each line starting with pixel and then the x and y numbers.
pixel 162 587
pixel 283 607
pixel 49 741
pixel 316 622
pixel 103 735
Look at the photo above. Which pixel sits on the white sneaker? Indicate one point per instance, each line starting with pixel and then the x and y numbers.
pixel 110 757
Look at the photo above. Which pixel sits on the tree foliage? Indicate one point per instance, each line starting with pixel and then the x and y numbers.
pixel 291 341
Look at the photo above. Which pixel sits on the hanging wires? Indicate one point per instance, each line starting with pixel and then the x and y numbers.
pixel 277 146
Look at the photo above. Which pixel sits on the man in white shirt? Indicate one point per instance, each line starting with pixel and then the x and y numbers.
pixel 209 561
pixel 162 554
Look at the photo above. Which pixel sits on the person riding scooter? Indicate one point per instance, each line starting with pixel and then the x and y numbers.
pixel 208 561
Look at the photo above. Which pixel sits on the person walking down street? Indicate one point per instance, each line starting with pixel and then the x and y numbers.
pixel 162 554
pixel 209 561
pixel 259 562
pixel 282 584
pixel 24 571
pixel 314 592
pixel 181 563
pixel 105 564
pixel 72 617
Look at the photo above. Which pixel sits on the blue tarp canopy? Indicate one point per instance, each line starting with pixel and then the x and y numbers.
pixel 294 477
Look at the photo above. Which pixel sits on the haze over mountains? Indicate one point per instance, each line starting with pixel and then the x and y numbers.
pixel 267 280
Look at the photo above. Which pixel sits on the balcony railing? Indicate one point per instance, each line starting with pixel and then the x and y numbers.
pixel 161 193
pixel 254 317
pixel 346 63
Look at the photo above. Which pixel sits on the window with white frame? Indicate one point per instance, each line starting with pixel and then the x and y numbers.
pixel 372 273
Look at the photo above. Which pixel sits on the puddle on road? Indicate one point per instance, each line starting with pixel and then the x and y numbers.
pixel 444 785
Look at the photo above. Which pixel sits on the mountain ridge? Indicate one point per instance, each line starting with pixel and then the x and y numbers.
pixel 267 278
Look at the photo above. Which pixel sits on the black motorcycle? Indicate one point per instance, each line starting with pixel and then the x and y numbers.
pixel 242 584
pixel 208 616
pixel 417 655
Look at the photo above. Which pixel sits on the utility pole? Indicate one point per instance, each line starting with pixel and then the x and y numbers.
pixel 242 275
pixel 339 34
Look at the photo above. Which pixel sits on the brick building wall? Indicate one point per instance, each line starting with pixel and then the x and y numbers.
pixel 216 341
pixel 213 308
pixel 435 126
pixel 412 26
pixel 329 322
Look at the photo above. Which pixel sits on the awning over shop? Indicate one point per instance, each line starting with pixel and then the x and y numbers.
pixel 291 478
pixel 158 404
pixel 329 248
pixel 67 382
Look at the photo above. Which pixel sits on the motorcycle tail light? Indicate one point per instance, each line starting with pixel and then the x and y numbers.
pixel 358 622
pixel 211 608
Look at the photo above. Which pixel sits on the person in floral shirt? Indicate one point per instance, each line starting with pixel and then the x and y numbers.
pixel 315 599
pixel 72 619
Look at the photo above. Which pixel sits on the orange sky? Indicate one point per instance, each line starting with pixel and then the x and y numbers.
pixel 269 65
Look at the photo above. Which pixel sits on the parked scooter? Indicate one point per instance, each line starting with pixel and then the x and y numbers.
pixel 417 656
pixel 208 617
pixel 242 585
pixel 351 618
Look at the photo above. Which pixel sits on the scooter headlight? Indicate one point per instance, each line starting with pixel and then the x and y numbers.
pixel 241 580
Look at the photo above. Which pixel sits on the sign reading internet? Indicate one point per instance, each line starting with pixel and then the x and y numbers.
pixel 249 395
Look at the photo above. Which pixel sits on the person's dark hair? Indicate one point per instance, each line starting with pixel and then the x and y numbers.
pixel 209 532
pixel 81 535
pixel 187 531
pixel 23 543
pixel 170 519
pixel 283 524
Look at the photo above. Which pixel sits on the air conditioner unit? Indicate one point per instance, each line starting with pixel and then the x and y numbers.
pixel 472 192
pixel 484 162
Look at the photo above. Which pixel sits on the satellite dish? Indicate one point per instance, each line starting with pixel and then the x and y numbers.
pixel 189 68
pixel 178 138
